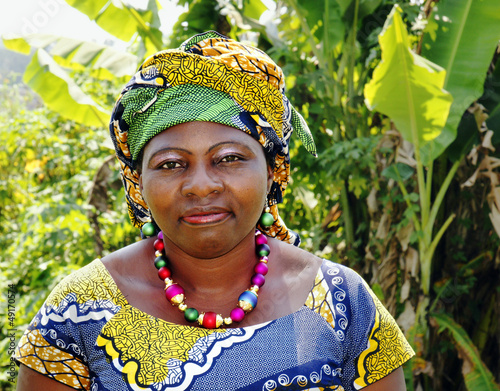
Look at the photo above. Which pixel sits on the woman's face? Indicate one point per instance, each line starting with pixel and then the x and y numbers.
pixel 206 186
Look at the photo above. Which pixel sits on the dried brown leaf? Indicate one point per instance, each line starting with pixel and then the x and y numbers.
pixel 487 141
pixel 407 318
pixel 404 236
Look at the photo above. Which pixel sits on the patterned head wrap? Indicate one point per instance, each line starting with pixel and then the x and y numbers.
pixel 215 79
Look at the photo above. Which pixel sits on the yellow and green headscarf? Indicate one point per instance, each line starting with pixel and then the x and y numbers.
pixel 215 79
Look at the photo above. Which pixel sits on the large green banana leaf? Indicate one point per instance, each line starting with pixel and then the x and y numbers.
pixel 60 93
pixel 477 376
pixel 105 62
pixel 462 38
pixel 121 19
pixel 408 88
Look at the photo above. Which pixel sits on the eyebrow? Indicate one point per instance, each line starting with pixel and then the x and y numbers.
pixel 228 142
pixel 168 149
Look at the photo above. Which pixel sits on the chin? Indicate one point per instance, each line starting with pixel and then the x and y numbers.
pixel 211 242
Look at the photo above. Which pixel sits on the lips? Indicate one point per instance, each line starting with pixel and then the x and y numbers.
pixel 205 216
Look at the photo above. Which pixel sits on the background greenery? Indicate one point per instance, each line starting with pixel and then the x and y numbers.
pixel 404 105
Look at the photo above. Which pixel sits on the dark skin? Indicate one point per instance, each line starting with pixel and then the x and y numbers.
pixel 206 186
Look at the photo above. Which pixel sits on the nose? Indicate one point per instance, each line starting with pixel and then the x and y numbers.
pixel 201 181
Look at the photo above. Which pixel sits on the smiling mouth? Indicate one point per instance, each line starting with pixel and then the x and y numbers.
pixel 206 218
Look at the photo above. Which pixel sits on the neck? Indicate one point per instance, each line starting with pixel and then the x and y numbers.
pixel 214 279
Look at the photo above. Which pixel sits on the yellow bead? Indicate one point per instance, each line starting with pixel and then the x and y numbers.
pixel 168 282
pixel 254 289
pixel 218 321
pixel 200 319
pixel 177 299
pixel 245 305
pixel 228 321
pixel 183 307
pixel 158 253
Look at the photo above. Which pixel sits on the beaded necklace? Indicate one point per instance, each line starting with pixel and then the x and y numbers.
pixel 247 301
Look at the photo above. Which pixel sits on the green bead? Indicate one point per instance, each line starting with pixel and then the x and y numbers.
pixel 267 219
pixel 148 229
pixel 191 314
pixel 160 262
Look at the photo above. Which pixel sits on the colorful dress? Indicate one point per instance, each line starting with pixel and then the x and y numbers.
pixel 89 337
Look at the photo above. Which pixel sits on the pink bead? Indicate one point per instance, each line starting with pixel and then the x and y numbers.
pixel 258 279
pixel 173 290
pixel 261 239
pixel 237 314
pixel 261 268
pixel 158 245
pixel 160 235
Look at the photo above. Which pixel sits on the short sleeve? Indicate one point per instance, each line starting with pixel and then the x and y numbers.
pixel 58 342
pixel 372 343
pixel 385 346
pixel 38 354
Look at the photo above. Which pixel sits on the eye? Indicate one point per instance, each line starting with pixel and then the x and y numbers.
pixel 230 158
pixel 170 165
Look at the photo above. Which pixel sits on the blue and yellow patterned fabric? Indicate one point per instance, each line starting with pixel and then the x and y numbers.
pixel 89 337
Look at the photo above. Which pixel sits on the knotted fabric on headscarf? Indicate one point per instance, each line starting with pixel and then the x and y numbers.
pixel 215 79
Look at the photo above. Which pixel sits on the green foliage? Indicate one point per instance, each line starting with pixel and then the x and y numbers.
pixel 476 374
pixel 352 161
pixel 408 88
pixel 462 39
pixel 47 170
pixel 201 16
pixel 60 92
pixel 369 198
pixel 123 20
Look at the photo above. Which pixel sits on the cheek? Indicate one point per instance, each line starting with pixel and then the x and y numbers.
pixel 254 190
pixel 153 191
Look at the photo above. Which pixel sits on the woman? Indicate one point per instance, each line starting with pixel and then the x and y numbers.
pixel 202 137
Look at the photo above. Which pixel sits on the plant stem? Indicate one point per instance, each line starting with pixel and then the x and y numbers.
pixel 346 210
pixel 442 192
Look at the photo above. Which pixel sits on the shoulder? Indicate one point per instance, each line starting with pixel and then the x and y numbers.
pixel 366 329
pixel 341 293
pixel 293 258
pixel 128 263
pixel 92 282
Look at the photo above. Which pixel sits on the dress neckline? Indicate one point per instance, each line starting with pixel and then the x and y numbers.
pixel 122 298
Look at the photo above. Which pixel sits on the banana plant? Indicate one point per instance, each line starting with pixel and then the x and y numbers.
pixel 55 58
pixel 48 73
pixel 409 89
pixel 425 102
pixel 476 375
pixel 428 118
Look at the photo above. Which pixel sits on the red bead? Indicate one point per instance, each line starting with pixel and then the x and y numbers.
pixel 210 320
pixel 164 272
pixel 159 245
